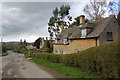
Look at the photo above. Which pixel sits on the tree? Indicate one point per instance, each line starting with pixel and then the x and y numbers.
pixel 21 42
pixel 4 48
pixel 95 10
pixel 37 43
pixel 114 7
pixel 77 22
pixel 118 18
pixel 21 45
pixel 49 47
pixel 25 43
pixel 60 16
pixel 53 29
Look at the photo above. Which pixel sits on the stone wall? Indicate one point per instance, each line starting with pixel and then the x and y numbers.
pixel 74 46
pixel 114 28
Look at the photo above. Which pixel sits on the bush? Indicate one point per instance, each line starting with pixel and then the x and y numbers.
pixel 3 54
pixel 102 60
pixel 4 48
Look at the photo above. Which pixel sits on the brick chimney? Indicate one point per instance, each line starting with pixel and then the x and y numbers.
pixel 82 19
pixel 62 26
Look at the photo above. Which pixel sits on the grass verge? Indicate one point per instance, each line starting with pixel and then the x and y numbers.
pixel 3 54
pixel 68 71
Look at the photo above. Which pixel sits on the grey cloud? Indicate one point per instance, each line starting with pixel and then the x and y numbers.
pixel 31 18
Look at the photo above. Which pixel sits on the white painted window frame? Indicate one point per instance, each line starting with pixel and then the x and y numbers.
pixel 83 33
pixel 65 41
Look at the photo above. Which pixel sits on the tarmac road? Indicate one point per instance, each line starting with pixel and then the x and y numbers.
pixel 15 65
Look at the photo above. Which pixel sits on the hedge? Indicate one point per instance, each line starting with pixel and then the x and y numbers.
pixel 102 60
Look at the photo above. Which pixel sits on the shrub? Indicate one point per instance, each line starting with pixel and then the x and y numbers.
pixel 102 60
pixel 4 48
pixel 3 54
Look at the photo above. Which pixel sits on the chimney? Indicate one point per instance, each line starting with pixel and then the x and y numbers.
pixel 82 19
pixel 62 26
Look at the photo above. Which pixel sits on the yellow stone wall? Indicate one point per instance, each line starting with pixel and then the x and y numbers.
pixel 75 46
pixel 82 44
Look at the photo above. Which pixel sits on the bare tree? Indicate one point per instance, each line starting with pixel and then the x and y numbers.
pixel 95 10
pixel 114 7
pixel 118 18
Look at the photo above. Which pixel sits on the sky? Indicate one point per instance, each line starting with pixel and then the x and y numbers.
pixel 28 20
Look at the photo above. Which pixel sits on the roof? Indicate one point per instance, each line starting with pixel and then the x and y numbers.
pixel 99 26
pixel 96 26
pixel 69 33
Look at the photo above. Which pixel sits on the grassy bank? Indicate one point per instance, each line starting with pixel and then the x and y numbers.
pixel 3 54
pixel 102 60
pixel 68 71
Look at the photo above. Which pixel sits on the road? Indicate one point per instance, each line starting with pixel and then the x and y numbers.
pixel 15 65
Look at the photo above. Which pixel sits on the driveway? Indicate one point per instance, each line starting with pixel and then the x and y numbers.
pixel 15 65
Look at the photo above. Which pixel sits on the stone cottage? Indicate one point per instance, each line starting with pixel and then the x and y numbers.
pixel 87 35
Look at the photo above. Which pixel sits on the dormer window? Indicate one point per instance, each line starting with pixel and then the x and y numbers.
pixel 65 41
pixel 83 32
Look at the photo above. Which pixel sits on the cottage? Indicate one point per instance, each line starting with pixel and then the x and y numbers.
pixel 43 42
pixel 87 35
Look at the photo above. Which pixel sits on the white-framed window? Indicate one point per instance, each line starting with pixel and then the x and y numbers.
pixel 83 33
pixel 64 41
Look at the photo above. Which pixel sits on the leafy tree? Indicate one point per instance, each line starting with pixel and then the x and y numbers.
pixel 53 28
pixel 95 10
pixel 21 42
pixel 77 22
pixel 21 45
pixel 37 43
pixel 60 16
pixel 48 44
pixel 25 43
pixel 49 47
pixel 4 48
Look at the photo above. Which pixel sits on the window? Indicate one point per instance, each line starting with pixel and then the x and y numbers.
pixel 109 36
pixel 61 52
pixel 56 52
pixel 83 32
pixel 64 41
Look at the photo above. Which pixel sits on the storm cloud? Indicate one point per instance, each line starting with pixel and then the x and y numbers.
pixel 28 20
